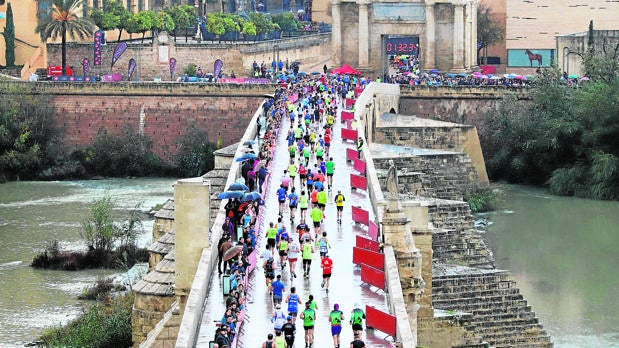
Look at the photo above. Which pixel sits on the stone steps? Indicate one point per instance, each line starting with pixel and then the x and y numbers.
pixel 500 314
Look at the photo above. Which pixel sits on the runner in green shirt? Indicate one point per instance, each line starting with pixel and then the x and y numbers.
pixel 335 318
pixel 321 198
pixel 330 165
pixel 308 316
pixel 316 215
pixel 307 251
pixel 303 205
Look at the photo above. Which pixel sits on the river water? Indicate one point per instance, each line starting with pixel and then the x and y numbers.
pixel 562 251
pixel 564 254
pixel 32 213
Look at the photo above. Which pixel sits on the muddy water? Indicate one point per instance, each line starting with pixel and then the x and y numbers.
pixel 32 213
pixel 564 254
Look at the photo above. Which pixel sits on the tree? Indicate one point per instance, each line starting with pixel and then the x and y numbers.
pixel 195 153
pixel 144 21
pixel 64 20
pixel 183 16
pixel 489 30
pixel 9 37
pixel 113 16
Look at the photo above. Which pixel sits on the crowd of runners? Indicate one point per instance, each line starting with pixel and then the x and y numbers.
pixel 297 240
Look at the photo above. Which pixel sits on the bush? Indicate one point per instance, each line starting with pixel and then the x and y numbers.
pixel 286 21
pixel 105 324
pixel 191 70
pixel 102 288
pixel 482 200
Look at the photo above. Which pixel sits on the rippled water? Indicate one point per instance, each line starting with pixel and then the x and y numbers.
pixel 32 213
pixel 564 254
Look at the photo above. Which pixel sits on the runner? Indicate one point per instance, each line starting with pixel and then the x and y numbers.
pixel 293 300
pixel 289 330
pixel 303 204
pixel 308 316
pixel 278 318
pixel 302 175
pixel 356 320
pixel 330 166
pixel 278 288
pixel 280 342
pixel 357 342
pixel 283 250
pixel 359 147
pixel 327 264
pixel 271 235
pixel 269 342
pixel 336 317
pixel 269 271
pixel 281 198
pixel 323 245
pixel 339 203
pixel 293 255
pixel 293 202
pixel 307 251
pixel 321 198
pixel 292 172
pixel 316 214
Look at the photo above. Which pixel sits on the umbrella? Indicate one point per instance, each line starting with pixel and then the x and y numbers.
pixel 584 78
pixel 251 196
pixel 301 73
pixel 237 186
pixel 573 76
pixel 246 157
pixel 462 75
pixel 315 73
pixel 450 75
pixel 232 252
pixel 511 76
pixel 231 194
pixel 434 71
pixel 246 149
pixel 250 142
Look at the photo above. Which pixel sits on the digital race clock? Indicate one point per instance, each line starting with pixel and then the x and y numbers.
pixel 402 45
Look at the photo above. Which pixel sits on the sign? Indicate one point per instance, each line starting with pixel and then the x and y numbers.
pixel 358 182
pixel 368 257
pixel 360 215
pixel 373 276
pixel 351 154
pixel 118 51
pixel 365 243
pixel 349 134
pixel 402 45
pixel 382 321
pixel 528 58
pixel 359 166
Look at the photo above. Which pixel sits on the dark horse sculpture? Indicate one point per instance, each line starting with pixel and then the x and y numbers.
pixel 534 56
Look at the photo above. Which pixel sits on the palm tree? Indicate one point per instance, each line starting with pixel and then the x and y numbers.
pixel 63 19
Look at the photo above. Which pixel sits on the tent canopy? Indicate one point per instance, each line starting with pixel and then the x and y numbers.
pixel 346 70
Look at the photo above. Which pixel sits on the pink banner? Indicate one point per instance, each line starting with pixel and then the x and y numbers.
pixel 349 134
pixel 373 276
pixel 360 215
pixel 350 102
pixel 351 154
pixel 366 243
pixel 359 166
pixel 358 91
pixel 358 182
pixel 373 230
pixel 347 115
pixel 244 80
pixel 368 257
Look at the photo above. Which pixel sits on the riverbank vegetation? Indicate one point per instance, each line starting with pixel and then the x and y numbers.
pixel 567 138
pixel 110 244
pixel 105 323
pixel 31 147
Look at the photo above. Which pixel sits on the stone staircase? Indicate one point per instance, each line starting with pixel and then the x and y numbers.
pixel 500 314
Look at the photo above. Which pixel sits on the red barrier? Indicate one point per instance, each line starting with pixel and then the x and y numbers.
pixel 358 91
pixel 349 134
pixel 373 231
pixel 359 166
pixel 349 124
pixel 351 154
pixel 381 321
pixel 359 182
pixel 347 115
pixel 361 216
pixel 368 257
pixel 373 276
pixel 349 102
pixel 366 243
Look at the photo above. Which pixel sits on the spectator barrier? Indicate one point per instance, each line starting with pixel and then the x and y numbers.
pixel 373 276
pixel 373 231
pixel 349 134
pixel 360 215
pixel 368 257
pixel 366 243
pixel 381 321
pixel 359 166
pixel 358 182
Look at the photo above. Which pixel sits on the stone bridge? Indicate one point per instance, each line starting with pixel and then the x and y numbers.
pixel 440 284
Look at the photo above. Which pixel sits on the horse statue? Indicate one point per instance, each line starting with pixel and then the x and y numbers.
pixel 534 56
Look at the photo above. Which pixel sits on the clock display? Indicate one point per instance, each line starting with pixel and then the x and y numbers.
pixel 402 45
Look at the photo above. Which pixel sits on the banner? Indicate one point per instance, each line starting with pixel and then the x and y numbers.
pixel 131 68
pixel 217 68
pixel 85 66
pixel 118 51
pixel 172 67
pixel 99 41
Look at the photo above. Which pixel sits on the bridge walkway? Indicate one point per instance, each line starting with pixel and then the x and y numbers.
pixel 346 287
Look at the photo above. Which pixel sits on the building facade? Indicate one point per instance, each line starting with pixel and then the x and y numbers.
pixel 441 33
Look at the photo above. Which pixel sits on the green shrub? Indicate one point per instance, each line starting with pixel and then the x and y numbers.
pixel 482 200
pixel 105 324
pixel 191 70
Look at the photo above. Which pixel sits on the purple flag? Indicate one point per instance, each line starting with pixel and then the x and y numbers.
pixel 217 68
pixel 131 68
pixel 99 41
pixel 172 66
pixel 86 65
pixel 118 51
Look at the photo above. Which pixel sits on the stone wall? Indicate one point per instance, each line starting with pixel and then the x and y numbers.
pixel 152 59
pixel 164 111
pixel 446 176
